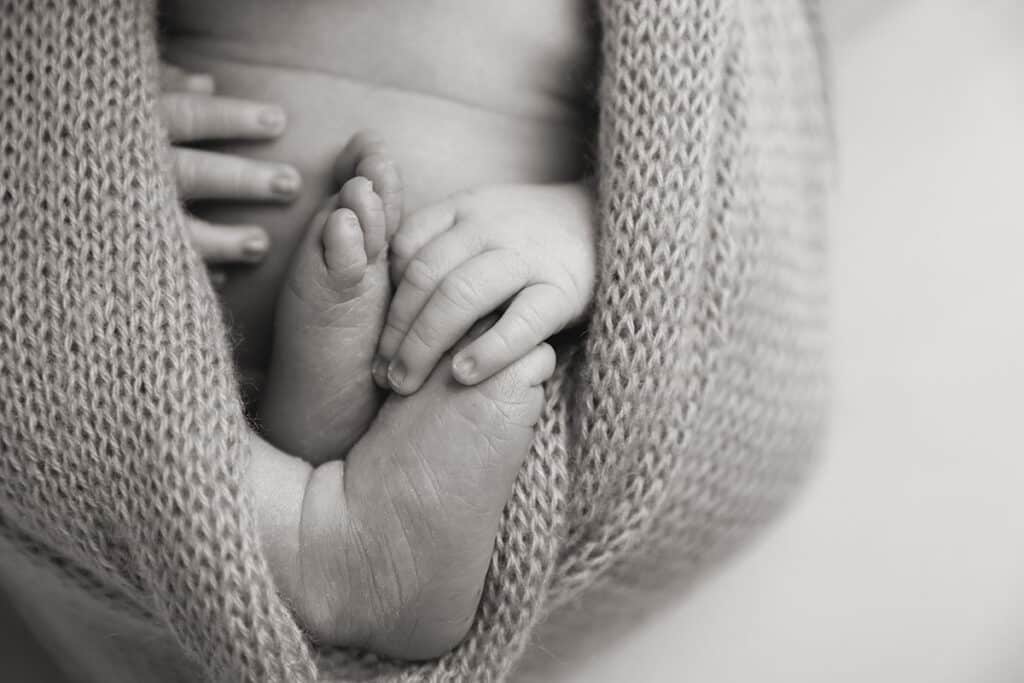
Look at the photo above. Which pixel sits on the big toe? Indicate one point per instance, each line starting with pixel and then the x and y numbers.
pixel 359 195
pixel 330 265
pixel 344 249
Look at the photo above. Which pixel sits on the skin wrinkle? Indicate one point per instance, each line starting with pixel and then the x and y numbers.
pixel 418 578
pixel 302 572
pixel 387 543
pixel 420 274
pixel 661 77
pixel 434 485
pixel 390 543
pixel 418 336
pixel 355 566
pixel 404 255
pixel 409 631
pixel 459 293
pixel 336 320
pixel 571 117
pixel 387 548
pixel 335 580
pixel 368 560
pixel 422 491
pixel 437 488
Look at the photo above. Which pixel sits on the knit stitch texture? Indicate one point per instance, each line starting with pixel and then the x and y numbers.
pixel 681 424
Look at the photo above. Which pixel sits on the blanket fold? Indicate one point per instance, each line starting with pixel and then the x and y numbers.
pixel 684 421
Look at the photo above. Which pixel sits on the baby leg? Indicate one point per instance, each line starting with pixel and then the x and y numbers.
pixel 320 396
pixel 406 526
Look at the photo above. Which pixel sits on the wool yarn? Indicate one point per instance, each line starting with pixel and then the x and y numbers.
pixel 685 419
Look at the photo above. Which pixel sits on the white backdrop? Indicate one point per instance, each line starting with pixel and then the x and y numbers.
pixel 904 563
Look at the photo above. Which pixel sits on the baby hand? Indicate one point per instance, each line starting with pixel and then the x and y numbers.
pixel 192 113
pixel 530 246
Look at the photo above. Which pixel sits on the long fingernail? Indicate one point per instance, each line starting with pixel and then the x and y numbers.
pixel 273 119
pixel 218 278
pixel 201 84
pixel 464 368
pixel 396 374
pixel 286 183
pixel 255 248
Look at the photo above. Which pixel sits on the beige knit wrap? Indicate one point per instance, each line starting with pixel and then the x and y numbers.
pixel 681 424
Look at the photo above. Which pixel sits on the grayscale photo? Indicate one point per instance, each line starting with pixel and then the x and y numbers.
pixel 550 341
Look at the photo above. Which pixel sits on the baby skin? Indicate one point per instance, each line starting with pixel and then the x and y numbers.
pixel 456 263
pixel 320 396
pixel 387 549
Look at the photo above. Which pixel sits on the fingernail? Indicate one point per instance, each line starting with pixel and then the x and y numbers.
pixel 286 183
pixel 464 368
pixel 200 83
pixel 379 370
pixel 273 119
pixel 218 278
pixel 255 248
pixel 396 374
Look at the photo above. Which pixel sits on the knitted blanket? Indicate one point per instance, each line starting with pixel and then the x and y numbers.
pixel 682 423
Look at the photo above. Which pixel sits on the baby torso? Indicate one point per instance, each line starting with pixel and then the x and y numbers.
pixel 466 93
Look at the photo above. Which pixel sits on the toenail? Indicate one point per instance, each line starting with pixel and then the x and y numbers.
pixel 464 368
pixel 348 218
pixel 396 374
pixel 285 183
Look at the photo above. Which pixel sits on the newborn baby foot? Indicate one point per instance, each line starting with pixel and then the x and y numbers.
pixel 320 396
pixel 406 526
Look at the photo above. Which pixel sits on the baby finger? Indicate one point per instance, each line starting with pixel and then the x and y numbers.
pixel 467 294
pixel 425 273
pixel 418 230
pixel 536 314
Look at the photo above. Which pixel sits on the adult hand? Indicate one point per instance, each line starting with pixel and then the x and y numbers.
pixel 192 112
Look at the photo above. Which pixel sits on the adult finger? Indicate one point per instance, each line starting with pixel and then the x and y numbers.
pixel 210 175
pixel 190 117
pixel 227 244
pixel 176 79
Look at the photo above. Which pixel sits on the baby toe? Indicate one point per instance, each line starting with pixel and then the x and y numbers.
pixel 382 171
pixel 366 155
pixel 359 196
pixel 344 252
